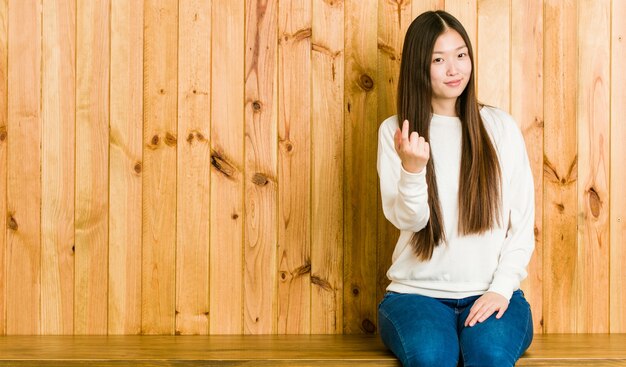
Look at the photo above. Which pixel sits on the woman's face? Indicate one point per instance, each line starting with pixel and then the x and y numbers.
pixel 450 68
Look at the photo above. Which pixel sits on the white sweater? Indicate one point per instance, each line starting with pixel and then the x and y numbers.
pixel 462 266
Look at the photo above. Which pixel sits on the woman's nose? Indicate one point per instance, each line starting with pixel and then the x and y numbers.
pixel 452 69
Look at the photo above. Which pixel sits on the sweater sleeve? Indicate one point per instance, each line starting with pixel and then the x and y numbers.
pixel 520 238
pixel 404 194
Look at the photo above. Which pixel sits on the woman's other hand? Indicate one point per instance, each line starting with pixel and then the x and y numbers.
pixel 485 306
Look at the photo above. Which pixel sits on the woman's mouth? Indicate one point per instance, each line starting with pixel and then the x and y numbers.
pixel 453 83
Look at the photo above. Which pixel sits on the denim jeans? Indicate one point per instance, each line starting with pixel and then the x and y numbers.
pixel 425 331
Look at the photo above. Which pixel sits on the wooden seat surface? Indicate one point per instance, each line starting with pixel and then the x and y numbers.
pixel 273 350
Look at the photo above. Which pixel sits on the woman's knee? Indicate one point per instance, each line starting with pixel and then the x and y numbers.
pixel 429 358
pixel 489 357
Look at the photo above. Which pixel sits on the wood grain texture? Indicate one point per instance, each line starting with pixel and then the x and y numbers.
pixel 527 110
pixel 618 173
pixel 393 21
pixel 288 97
pixel 57 167
pixel 226 232
pixel 159 179
pixel 493 56
pixel 420 6
pixel 327 161
pixel 125 167
pixel 466 12
pixel 360 180
pixel 231 350
pixel 4 89
pixel 560 171
pixel 194 105
pixel 277 350
pixel 593 114
pixel 294 157
pixel 260 187
pixel 92 171
pixel 23 256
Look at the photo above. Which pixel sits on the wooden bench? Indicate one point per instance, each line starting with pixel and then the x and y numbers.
pixel 272 350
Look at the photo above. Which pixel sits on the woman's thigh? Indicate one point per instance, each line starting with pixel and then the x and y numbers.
pixel 419 330
pixel 498 342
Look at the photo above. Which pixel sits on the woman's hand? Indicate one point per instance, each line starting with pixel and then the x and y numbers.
pixel 485 306
pixel 413 150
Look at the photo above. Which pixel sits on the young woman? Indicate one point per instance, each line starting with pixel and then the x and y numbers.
pixel 455 179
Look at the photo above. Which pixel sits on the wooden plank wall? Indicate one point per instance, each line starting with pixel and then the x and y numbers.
pixel 208 166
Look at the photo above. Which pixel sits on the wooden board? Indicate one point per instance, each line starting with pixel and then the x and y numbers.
pixel 492 53
pixel 560 171
pixel 278 350
pixel 618 172
pixel 593 112
pixel 261 181
pixel 194 105
pixel 92 157
pixel 125 167
pixel 294 157
pixel 159 179
pixel 527 109
pixel 393 21
pixel 23 253
pixel 360 180
pixel 226 232
pixel 4 88
pixel 327 161
pixel 58 100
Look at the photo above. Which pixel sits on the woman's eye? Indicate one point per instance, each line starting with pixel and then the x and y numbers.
pixel 462 55
pixel 437 60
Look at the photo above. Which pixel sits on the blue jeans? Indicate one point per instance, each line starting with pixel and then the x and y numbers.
pixel 425 331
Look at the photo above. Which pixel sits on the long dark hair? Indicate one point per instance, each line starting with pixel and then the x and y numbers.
pixel 480 180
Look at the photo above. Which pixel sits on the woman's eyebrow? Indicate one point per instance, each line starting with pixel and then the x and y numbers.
pixel 456 49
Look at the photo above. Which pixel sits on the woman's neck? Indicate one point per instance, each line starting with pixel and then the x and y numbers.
pixel 444 107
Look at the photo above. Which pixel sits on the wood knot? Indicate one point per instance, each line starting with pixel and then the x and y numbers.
pixel 221 164
pixel 12 223
pixel 256 106
pixel 595 203
pixel 137 167
pixel 355 291
pixel 3 133
pixel 368 326
pixel 155 140
pixel 170 139
pixel 161 91
pixel 560 207
pixel 322 283
pixel 259 179
pixel 287 146
pixel 283 275
pixel 366 82
pixel 235 216
pixel 195 135
pixel 303 269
